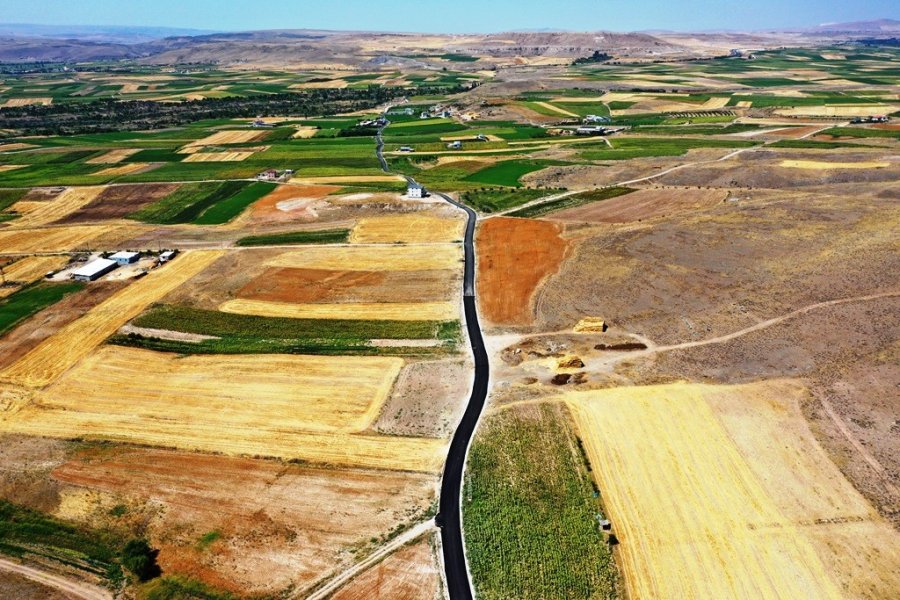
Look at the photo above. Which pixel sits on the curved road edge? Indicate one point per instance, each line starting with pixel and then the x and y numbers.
pixel 449 517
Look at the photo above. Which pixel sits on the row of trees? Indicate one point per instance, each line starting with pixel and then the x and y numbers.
pixel 112 115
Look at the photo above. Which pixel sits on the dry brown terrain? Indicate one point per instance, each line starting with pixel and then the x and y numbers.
pixel 514 256
pixel 408 574
pixel 278 524
pixel 119 201
pixel 425 400
pixel 643 204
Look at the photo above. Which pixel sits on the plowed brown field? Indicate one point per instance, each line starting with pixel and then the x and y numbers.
pixel 514 256
pixel 723 492
pixel 119 201
pixel 408 574
pixel 279 524
pixel 642 204
pixel 323 285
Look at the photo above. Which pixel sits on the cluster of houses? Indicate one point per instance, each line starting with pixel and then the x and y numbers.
pixel 99 267
pixel 437 111
pixel 875 119
pixel 275 175
pixel 379 122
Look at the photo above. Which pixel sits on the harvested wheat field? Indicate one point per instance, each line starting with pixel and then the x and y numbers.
pixel 865 110
pixel 305 132
pixel 409 229
pixel 126 169
pixel 237 136
pixel 113 156
pixel 723 492
pixel 4 168
pixel 280 524
pixel 217 156
pixel 395 311
pixel 119 201
pixel 43 212
pixel 372 258
pixel 308 286
pixel 26 241
pixel 263 392
pixel 55 355
pixel 514 256
pixel 29 269
pixel 15 146
pixel 410 573
pixel 14 102
pixel 823 165
pixel 642 204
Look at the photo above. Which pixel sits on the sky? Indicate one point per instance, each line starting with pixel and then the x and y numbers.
pixel 456 16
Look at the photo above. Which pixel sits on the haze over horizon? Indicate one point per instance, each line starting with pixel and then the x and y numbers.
pixel 465 16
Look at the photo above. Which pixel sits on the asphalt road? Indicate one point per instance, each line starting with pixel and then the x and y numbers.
pixel 449 518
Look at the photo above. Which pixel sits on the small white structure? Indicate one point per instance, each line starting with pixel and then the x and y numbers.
pixel 125 258
pixel 167 255
pixel 407 149
pixel 414 190
pixel 591 130
pixel 94 269
pixel 596 119
pixel 455 145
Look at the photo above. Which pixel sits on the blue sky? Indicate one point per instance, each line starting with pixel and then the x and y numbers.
pixel 453 16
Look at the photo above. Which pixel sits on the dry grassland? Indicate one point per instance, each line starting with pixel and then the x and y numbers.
pixel 4 168
pixel 15 146
pixel 410 228
pixel 126 169
pixel 55 355
pixel 113 156
pixel 408 574
pixel 26 241
pixel 36 213
pixel 229 137
pixel 824 165
pixel 30 268
pixel 399 311
pixel 557 109
pixel 14 102
pixel 723 492
pixel 866 110
pixel 217 156
pixel 378 258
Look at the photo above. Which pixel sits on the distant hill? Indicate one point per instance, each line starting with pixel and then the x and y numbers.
pixel 870 27
pixel 96 33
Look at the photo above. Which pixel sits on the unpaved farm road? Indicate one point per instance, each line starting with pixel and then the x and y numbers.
pixel 449 517
pixel 74 589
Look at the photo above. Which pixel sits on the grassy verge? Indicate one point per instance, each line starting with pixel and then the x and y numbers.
pixel 325 236
pixel 571 201
pixel 493 200
pixel 530 513
pixel 189 202
pixel 227 209
pixel 32 299
pixel 27 532
pixel 250 334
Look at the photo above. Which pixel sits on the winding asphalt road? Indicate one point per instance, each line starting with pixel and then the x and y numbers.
pixel 449 517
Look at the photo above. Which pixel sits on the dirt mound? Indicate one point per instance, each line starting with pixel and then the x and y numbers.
pixel 514 256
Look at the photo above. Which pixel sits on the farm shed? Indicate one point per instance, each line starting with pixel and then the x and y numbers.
pixel 414 190
pixel 125 258
pixel 94 269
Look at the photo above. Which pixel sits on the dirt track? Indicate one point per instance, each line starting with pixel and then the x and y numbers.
pixel 74 589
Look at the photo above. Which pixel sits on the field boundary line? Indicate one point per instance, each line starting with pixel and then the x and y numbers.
pixel 339 580
pixel 79 589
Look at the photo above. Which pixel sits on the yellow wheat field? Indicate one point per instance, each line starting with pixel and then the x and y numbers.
pixel 399 311
pixel 126 169
pixel 410 228
pixel 722 492
pixel 235 136
pixel 372 258
pixel 113 156
pixel 864 110
pixel 29 269
pixel 305 131
pixel 823 165
pixel 259 391
pixel 13 102
pixel 37 213
pixel 59 239
pixel 60 352
pixel 291 407
pixel 217 156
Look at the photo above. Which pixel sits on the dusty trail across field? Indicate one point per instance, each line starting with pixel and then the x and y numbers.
pixel 76 589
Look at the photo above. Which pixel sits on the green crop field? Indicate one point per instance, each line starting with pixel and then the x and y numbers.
pixel 635 147
pixel 862 132
pixel 32 299
pixel 572 201
pixel 529 511
pixel 190 203
pixel 227 209
pixel 249 334
pixel 324 236
pixel 494 200
pixel 508 172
